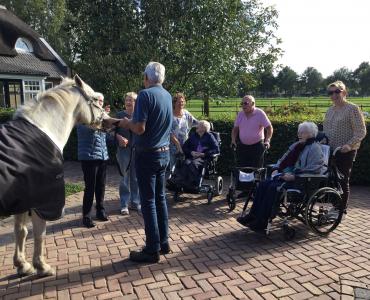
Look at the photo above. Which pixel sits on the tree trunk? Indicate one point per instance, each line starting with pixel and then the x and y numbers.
pixel 206 105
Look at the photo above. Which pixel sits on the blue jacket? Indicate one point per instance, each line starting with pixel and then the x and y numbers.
pixel 92 144
pixel 207 141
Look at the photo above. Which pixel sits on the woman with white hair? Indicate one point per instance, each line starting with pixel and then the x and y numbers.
pixel 304 156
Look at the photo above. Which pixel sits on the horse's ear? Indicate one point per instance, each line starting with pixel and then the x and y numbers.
pixel 78 81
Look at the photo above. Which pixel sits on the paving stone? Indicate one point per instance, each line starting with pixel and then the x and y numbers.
pixel 213 256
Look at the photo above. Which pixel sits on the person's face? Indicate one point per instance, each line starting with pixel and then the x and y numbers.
pixel 303 135
pixel 180 103
pixel 129 103
pixel 100 101
pixel 336 94
pixel 247 104
pixel 200 129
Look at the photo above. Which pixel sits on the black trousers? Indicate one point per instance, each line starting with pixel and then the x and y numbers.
pixel 250 155
pixel 94 177
pixel 344 163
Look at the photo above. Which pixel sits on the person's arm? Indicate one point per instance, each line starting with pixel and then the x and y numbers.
pixel 358 127
pixel 234 135
pixel 176 142
pixel 213 146
pixel 269 131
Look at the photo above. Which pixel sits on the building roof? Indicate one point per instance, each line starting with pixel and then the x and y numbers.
pixel 29 64
pixel 43 61
pixel 12 28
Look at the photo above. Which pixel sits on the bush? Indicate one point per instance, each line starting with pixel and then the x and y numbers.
pixel 285 133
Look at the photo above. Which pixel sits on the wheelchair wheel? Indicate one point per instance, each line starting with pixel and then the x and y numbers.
pixel 231 201
pixel 324 210
pixel 219 184
pixel 209 196
pixel 289 233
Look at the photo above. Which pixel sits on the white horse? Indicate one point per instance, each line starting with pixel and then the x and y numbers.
pixel 55 113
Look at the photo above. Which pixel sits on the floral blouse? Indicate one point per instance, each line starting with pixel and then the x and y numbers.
pixel 181 126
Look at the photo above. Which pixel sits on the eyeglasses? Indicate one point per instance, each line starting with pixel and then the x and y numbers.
pixel 338 91
pixel 247 103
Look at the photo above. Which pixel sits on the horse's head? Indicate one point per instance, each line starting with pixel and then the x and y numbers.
pixel 91 110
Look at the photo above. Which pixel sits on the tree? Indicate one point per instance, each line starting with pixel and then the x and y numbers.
pixel 343 74
pixel 267 83
pixel 362 77
pixel 204 44
pixel 287 81
pixel 311 81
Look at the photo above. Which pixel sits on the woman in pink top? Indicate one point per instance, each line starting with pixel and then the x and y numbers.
pixel 249 127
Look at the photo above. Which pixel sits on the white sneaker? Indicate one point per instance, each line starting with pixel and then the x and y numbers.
pixel 124 211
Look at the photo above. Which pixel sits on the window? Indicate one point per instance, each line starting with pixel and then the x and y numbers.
pixel 48 85
pixel 31 88
pixel 23 45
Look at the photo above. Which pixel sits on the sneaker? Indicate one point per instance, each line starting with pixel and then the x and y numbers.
pixel 88 222
pixel 124 211
pixel 142 256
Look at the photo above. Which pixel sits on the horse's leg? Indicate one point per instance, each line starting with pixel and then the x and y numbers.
pixel 39 229
pixel 20 231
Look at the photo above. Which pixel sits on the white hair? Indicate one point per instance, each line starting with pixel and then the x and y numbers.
pixel 99 96
pixel 205 124
pixel 310 127
pixel 154 71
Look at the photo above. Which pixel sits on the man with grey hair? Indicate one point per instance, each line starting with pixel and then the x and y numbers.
pixel 152 122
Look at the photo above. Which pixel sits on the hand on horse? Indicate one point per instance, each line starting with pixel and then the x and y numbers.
pixel 110 123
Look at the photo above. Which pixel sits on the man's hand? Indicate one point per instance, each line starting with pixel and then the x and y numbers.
pixel 122 142
pixel 233 144
pixel 345 148
pixel 267 144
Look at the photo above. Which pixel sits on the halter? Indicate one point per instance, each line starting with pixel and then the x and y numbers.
pixel 91 102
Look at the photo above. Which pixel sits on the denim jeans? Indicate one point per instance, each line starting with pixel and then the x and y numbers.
pixel 150 171
pixel 128 188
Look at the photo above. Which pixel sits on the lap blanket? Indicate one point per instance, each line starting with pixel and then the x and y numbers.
pixel 31 171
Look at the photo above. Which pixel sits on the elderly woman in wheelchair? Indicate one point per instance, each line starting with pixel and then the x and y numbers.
pixel 297 189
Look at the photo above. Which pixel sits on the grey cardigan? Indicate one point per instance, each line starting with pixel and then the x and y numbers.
pixel 311 159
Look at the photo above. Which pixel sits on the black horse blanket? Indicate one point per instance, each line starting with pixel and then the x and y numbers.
pixel 31 171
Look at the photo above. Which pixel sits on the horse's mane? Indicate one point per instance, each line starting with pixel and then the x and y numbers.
pixel 58 95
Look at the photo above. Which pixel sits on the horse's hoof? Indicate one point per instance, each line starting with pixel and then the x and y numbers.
pixel 46 271
pixel 25 270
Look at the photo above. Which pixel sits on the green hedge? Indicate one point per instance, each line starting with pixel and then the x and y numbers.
pixel 285 132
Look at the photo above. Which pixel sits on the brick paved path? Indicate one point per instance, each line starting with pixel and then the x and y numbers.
pixel 214 257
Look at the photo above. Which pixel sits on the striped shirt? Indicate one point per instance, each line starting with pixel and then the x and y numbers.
pixel 345 125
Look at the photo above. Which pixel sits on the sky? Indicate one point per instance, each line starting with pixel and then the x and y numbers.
pixel 325 34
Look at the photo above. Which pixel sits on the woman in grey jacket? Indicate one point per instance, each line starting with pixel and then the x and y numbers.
pixel 304 156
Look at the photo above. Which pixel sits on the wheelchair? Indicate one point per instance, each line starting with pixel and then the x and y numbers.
pixel 315 200
pixel 208 182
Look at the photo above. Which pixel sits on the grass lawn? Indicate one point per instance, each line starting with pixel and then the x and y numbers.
pixel 73 188
pixel 224 107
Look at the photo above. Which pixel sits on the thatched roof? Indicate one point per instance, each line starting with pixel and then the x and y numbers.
pixel 12 28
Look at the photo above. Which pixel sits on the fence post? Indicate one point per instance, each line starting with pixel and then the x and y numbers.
pixel 202 108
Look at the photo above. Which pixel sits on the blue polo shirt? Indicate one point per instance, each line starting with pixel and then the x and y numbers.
pixel 153 106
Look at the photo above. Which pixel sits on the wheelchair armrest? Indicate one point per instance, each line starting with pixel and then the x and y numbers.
pixel 308 175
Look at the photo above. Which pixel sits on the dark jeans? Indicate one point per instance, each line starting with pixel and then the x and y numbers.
pixel 150 172
pixel 94 177
pixel 250 155
pixel 344 162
